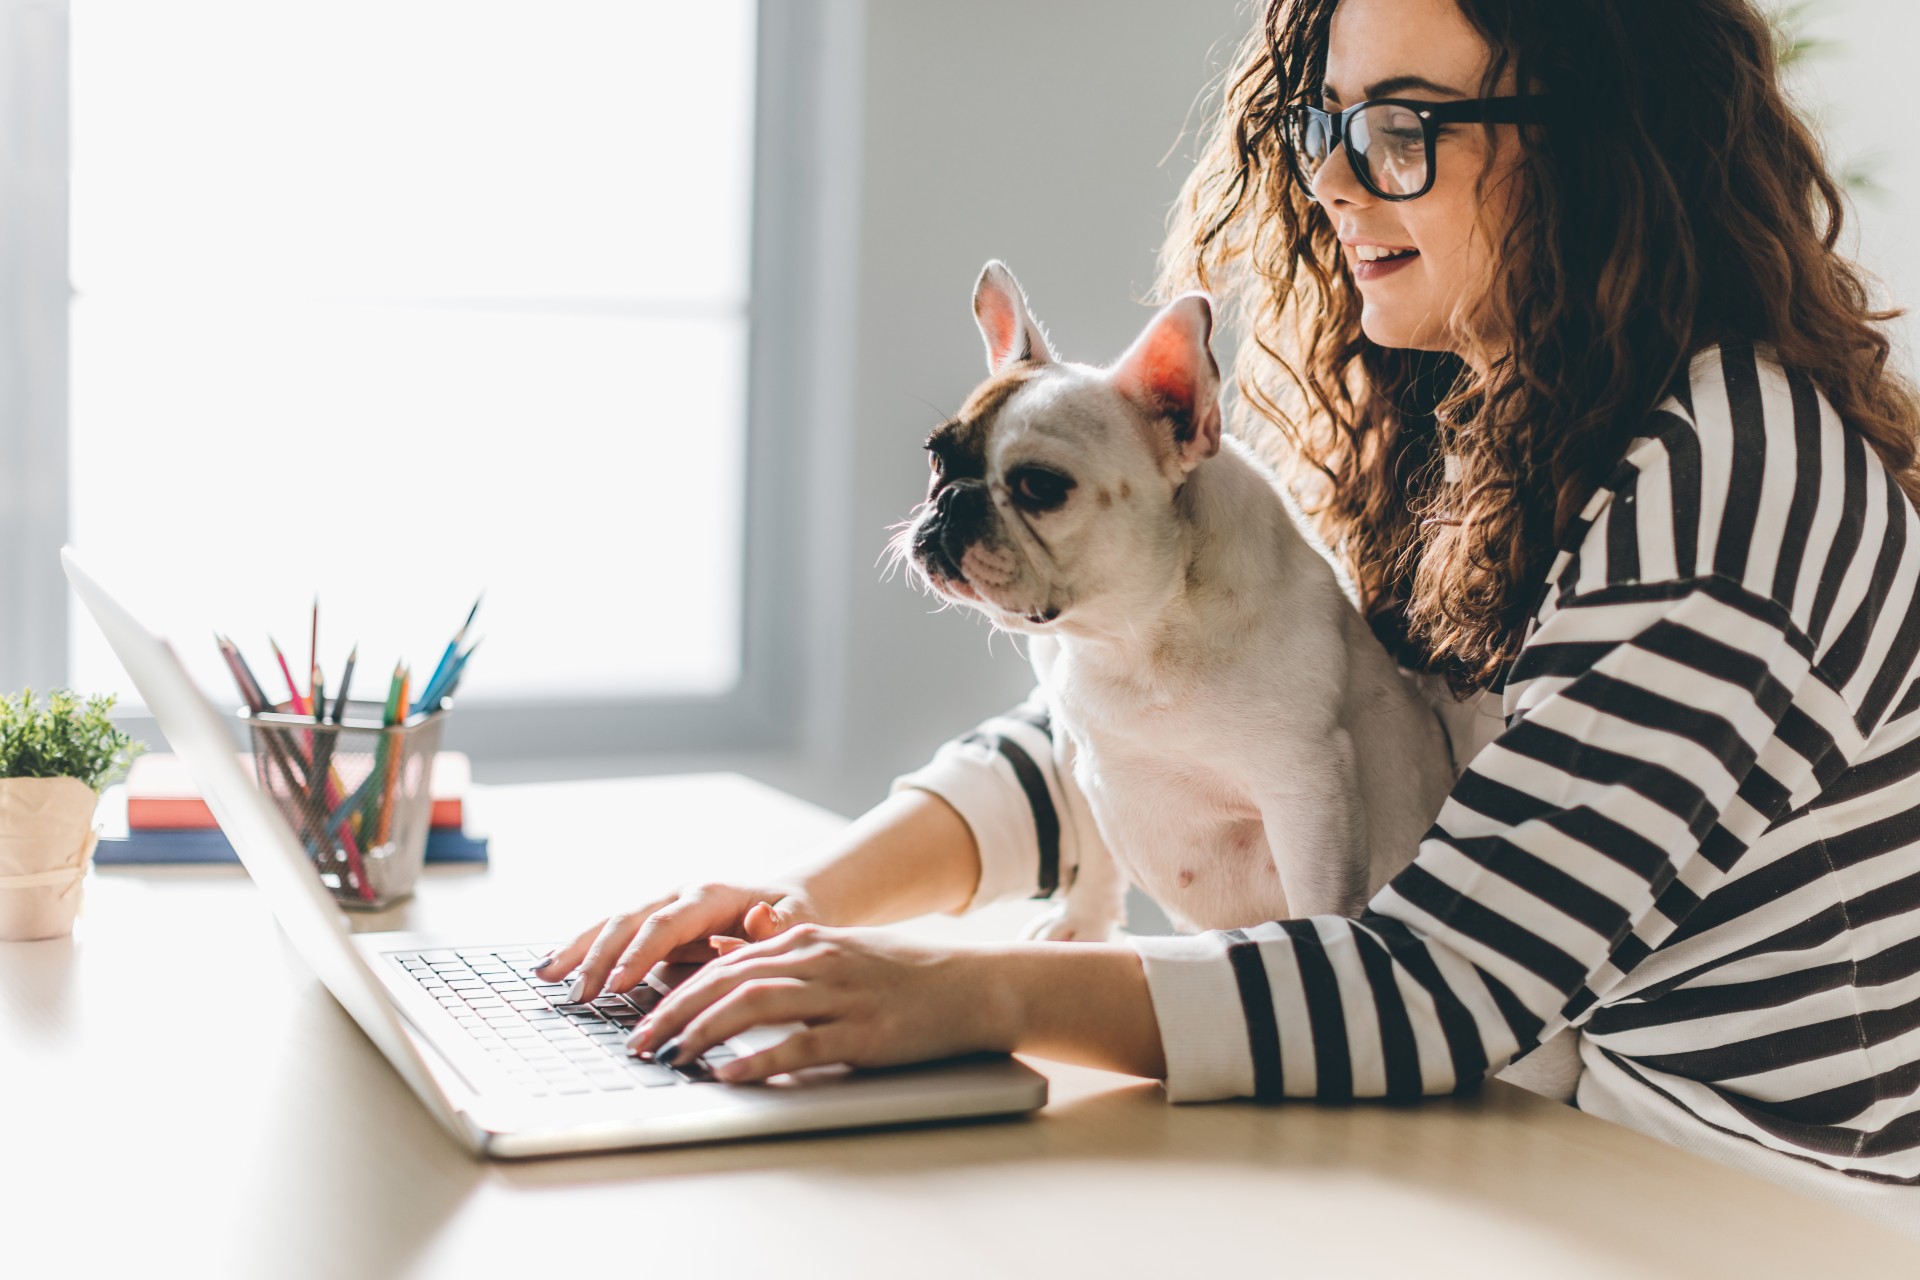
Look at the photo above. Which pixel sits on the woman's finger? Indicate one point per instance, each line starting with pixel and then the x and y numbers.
pixel 707 988
pixel 559 962
pixel 685 921
pixel 758 1003
pixel 814 1047
pixel 762 922
pixel 604 952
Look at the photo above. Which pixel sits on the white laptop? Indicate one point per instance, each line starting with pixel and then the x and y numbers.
pixel 502 1061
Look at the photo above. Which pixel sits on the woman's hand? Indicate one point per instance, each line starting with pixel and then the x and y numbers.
pixel 867 999
pixel 616 953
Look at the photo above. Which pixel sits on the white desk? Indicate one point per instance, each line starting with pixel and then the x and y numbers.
pixel 178 1095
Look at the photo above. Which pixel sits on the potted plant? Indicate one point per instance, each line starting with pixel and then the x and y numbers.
pixel 53 762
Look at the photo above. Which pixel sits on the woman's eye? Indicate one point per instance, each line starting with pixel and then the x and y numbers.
pixel 1038 490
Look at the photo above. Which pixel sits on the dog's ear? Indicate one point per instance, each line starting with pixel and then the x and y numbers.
pixel 1010 331
pixel 1169 371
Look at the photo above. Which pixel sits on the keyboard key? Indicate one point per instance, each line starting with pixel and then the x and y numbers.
pixel 652 1075
pixel 695 1070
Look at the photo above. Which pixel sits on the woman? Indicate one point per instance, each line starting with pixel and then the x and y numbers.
pixel 1544 303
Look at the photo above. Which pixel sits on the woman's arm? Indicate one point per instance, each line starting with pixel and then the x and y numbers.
pixel 878 1000
pixel 910 855
pixel 907 856
pixel 993 815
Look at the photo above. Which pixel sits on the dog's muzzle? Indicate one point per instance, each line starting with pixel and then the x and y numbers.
pixel 961 515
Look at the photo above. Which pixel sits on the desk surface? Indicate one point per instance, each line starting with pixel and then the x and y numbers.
pixel 180 1089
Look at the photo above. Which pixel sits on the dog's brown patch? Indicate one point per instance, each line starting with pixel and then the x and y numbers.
pixel 990 396
pixel 1126 491
pixel 1106 499
pixel 961 441
pixel 1186 878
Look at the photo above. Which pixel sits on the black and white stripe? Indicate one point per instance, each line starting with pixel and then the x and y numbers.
pixel 1698 839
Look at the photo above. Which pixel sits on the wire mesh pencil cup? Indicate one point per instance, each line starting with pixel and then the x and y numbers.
pixel 356 794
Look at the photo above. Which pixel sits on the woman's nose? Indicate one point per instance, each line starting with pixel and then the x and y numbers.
pixel 1336 184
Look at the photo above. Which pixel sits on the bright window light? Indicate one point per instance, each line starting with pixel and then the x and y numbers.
pixel 394 301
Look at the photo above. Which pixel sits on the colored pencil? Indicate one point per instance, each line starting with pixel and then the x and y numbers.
pixel 329 782
pixel 447 655
pixel 370 810
pixel 437 699
pixel 295 703
pixel 259 692
pixel 318 684
pixel 313 655
pixel 251 695
pixel 346 683
pixel 396 707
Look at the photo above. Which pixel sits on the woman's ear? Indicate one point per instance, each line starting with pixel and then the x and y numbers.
pixel 1170 373
pixel 1009 329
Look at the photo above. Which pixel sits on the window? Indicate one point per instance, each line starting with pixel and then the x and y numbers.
pixel 397 300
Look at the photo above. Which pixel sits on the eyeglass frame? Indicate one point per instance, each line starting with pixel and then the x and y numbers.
pixel 1526 109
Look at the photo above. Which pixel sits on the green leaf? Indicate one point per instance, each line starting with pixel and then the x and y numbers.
pixel 65 739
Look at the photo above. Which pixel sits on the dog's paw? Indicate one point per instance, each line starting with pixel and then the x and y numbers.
pixel 1064 924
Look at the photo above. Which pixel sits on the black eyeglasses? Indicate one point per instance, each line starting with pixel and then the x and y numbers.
pixel 1389 141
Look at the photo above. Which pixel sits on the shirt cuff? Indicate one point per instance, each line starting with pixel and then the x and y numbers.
pixel 967 776
pixel 1203 1028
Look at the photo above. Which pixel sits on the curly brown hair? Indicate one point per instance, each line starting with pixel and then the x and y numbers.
pixel 1683 203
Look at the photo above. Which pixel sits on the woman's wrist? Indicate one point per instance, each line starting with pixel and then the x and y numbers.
pixel 1074 1002
pixel 910 855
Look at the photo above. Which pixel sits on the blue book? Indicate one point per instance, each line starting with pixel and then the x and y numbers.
pixel 151 847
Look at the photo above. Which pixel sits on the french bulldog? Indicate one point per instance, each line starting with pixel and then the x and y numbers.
pixel 1248 749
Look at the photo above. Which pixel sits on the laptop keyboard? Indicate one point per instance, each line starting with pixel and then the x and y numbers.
pixel 531 1032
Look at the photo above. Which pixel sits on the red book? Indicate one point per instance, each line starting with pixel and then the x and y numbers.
pixel 161 796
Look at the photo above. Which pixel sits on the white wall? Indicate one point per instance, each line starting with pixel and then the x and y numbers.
pixel 1863 89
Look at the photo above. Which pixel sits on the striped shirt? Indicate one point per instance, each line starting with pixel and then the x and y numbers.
pixel 1695 838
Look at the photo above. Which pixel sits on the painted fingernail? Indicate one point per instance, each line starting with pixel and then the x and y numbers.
pixel 613 979
pixel 578 991
pixel 667 1052
pixel 543 962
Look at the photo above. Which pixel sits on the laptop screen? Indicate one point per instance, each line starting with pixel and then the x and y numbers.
pixel 267 847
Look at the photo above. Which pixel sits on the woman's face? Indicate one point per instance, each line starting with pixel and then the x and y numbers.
pixel 1423 50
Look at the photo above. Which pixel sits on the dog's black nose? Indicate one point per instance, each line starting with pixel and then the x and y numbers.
pixel 961 516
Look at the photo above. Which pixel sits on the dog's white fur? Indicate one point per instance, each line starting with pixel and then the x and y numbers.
pixel 1248 749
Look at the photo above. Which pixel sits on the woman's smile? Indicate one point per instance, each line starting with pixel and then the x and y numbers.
pixel 1370 260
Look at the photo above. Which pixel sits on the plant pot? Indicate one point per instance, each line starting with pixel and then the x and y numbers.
pixel 46 844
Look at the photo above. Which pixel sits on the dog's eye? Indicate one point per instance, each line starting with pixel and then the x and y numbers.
pixel 1038 490
pixel 933 458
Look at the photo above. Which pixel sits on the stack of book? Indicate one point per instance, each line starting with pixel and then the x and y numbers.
pixel 167 821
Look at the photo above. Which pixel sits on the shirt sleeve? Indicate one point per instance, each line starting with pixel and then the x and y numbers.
pixel 1013 784
pixel 1655 729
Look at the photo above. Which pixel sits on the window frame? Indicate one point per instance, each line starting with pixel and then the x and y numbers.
pixel 802 53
